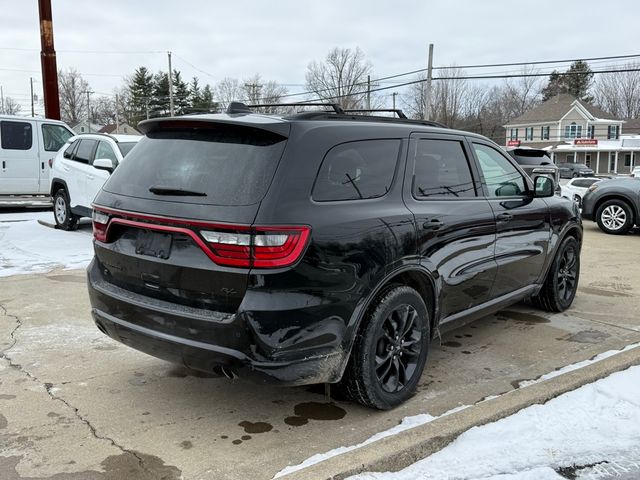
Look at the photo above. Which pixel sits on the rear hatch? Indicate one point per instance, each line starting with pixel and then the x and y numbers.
pixel 186 186
pixel 536 162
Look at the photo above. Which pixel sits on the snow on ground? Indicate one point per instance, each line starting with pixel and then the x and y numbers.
pixel 421 419
pixel 29 247
pixel 595 428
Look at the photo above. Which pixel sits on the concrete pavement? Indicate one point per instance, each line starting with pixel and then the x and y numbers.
pixel 76 405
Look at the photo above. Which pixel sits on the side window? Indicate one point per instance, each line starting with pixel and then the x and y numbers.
pixel 581 183
pixel 84 153
pixel 69 151
pixel 501 177
pixel 16 135
pixel 357 170
pixel 441 170
pixel 105 151
pixel 54 137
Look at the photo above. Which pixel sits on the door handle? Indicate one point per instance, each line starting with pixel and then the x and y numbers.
pixel 4 165
pixel 433 224
pixel 505 217
pixel 42 163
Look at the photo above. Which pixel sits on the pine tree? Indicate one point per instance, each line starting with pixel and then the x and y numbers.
pixel 576 82
pixel 208 104
pixel 195 95
pixel 180 94
pixel 159 104
pixel 141 87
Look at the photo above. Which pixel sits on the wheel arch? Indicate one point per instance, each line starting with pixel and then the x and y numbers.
pixel 57 184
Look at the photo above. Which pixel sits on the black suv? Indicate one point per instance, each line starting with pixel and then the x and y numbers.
pixel 574 170
pixel 535 161
pixel 320 246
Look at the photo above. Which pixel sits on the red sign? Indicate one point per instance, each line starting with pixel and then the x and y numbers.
pixel 585 141
pixel 513 143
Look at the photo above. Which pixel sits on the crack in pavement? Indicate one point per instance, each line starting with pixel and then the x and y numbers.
pixel 49 387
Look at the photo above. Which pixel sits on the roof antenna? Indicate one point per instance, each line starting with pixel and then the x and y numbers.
pixel 238 107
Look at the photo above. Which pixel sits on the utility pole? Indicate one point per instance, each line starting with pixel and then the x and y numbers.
pixel 1 100
pixel 88 92
pixel 171 110
pixel 368 92
pixel 33 113
pixel 254 88
pixel 394 95
pixel 117 118
pixel 427 96
pixel 48 62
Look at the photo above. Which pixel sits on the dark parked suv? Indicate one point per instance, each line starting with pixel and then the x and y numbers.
pixel 574 170
pixel 320 246
pixel 535 162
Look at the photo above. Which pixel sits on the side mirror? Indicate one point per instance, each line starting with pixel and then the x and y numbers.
pixel 543 187
pixel 104 164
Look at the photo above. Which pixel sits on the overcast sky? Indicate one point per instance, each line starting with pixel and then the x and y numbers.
pixel 278 38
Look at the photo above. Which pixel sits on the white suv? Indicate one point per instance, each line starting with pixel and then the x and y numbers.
pixel 80 169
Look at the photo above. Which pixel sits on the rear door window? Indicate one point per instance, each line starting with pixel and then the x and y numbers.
pixel 441 170
pixel 357 170
pixel 84 153
pixel 16 135
pixel 222 164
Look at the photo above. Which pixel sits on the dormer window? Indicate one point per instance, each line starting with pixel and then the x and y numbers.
pixel 613 132
pixel 573 131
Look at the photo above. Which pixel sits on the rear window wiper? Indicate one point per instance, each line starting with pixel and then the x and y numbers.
pixel 162 190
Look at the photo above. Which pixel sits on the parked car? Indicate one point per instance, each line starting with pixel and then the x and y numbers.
pixel 535 162
pixel 636 171
pixel 26 146
pixel 574 170
pixel 614 204
pixel 575 188
pixel 80 169
pixel 320 247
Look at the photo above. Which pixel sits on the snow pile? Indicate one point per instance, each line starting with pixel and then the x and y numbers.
pixel 599 422
pixel 28 247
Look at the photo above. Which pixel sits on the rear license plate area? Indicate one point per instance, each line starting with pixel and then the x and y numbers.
pixel 153 244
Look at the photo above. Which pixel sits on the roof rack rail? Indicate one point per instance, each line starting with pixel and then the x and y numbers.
pixel 397 111
pixel 239 107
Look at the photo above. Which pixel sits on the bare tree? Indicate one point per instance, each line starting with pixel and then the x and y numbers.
pixel 103 110
pixel 228 90
pixel 521 94
pixel 341 77
pixel 73 99
pixel 255 90
pixel 619 93
pixel 448 96
pixel 11 107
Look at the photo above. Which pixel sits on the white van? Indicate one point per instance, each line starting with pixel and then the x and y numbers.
pixel 26 146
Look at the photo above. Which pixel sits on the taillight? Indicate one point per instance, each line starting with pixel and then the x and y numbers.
pixel 100 221
pixel 260 247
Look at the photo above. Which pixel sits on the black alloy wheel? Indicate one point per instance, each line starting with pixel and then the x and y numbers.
pixel 389 351
pixel 398 348
pixel 560 286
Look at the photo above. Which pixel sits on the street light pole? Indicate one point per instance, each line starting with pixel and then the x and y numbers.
pixel 171 110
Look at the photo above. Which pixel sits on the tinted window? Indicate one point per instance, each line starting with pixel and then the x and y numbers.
pixel 125 147
pixel 230 165
pixel 526 156
pixel 583 183
pixel 357 170
pixel 441 169
pixel 104 150
pixel 16 135
pixel 85 150
pixel 54 137
pixel 68 152
pixel 502 178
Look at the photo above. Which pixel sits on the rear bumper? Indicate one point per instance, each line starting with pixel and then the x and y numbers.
pixel 206 341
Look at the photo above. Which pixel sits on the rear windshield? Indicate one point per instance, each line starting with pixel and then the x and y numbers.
pixel 221 165
pixel 531 157
pixel 125 147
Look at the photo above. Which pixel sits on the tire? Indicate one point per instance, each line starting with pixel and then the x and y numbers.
pixel 383 371
pixel 560 286
pixel 575 175
pixel 577 199
pixel 65 220
pixel 615 217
